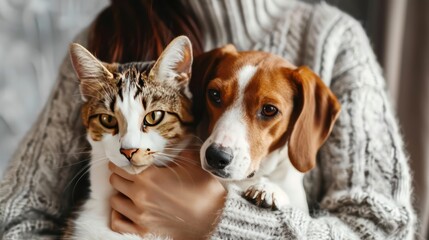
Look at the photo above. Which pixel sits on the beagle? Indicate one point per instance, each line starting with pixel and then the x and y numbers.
pixel 264 121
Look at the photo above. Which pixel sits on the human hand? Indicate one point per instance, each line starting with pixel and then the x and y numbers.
pixel 181 201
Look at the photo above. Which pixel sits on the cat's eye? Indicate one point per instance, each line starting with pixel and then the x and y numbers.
pixel 269 111
pixel 153 118
pixel 214 96
pixel 108 121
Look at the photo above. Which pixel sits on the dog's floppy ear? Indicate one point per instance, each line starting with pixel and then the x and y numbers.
pixel 316 110
pixel 203 70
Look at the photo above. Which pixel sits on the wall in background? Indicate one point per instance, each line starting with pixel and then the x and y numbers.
pixel 34 35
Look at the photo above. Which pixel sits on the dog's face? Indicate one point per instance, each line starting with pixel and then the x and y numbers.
pixel 256 102
pixel 249 109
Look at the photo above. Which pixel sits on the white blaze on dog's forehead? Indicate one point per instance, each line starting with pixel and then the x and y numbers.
pixel 232 125
pixel 132 110
pixel 231 128
pixel 244 75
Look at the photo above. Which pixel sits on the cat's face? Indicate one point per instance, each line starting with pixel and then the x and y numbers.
pixel 136 112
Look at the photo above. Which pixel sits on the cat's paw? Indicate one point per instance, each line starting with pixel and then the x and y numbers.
pixel 267 195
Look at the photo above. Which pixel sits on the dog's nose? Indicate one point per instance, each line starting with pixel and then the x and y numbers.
pixel 218 157
pixel 128 153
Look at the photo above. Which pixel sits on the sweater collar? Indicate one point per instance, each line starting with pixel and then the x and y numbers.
pixel 241 22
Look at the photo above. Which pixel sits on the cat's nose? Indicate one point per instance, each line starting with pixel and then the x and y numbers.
pixel 128 153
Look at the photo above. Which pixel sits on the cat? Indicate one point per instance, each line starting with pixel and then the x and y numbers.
pixel 133 114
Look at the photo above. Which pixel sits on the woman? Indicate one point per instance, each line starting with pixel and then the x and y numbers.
pixel 359 189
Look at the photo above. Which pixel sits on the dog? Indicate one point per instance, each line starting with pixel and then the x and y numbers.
pixel 263 119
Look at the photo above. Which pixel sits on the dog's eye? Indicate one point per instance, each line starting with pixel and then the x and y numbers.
pixel 153 118
pixel 214 96
pixel 269 110
pixel 108 121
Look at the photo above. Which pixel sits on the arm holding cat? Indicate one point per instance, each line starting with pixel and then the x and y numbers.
pixel 37 189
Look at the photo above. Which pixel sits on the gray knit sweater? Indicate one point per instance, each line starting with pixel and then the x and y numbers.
pixel 360 188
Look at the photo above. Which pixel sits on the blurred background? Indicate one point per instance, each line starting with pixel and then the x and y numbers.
pixel 34 35
pixel 34 39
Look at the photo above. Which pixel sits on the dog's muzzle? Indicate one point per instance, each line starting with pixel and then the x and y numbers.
pixel 217 158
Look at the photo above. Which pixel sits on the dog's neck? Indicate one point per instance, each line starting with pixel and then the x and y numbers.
pixel 274 160
pixel 240 22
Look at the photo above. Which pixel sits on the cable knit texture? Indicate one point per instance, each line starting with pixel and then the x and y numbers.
pixel 360 188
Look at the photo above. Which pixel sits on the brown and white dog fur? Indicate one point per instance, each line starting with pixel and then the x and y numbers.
pixel 266 120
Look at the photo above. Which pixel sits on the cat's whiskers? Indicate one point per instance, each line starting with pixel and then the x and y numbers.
pixel 161 159
pixel 194 144
pixel 165 164
pixel 73 155
pixel 179 150
pixel 172 157
pixel 77 151
pixel 82 172
pixel 82 137
pixel 91 162
pixel 184 169
pixel 193 136
pixel 72 164
pixel 100 161
pixel 179 146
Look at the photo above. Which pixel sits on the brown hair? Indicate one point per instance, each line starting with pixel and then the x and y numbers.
pixel 138 30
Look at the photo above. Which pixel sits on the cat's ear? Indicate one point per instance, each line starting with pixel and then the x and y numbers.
pixel 86 65
pixel 175 64
pixel 90 71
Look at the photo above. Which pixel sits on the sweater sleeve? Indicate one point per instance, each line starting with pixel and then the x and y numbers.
pixel 365 188
pixel 40 181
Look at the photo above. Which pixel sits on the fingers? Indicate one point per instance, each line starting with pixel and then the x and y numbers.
pixel 121 184
pixel 121 172
pixel 125 207
pixel 120 224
